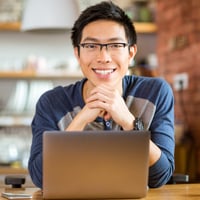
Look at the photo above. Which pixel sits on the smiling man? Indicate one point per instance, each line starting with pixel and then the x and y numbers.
pixel 104 41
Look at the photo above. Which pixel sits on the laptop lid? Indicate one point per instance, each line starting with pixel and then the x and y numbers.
pixel 95 164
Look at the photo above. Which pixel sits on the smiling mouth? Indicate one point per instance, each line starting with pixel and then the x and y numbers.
pixel 104 71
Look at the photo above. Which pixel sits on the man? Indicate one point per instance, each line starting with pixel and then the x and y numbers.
pixel 104 41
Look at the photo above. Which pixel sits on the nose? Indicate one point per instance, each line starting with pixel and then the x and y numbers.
pixel 104 45
pixel 103 55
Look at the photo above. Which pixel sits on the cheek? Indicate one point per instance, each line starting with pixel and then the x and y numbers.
pixel 83 60
pixel 124 61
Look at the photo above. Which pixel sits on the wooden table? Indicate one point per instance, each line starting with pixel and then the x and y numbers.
pixel 167 192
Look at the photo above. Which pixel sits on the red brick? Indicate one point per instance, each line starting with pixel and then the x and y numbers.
pixel 182 18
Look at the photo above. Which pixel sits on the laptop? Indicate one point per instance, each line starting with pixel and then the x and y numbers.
pixel 95 164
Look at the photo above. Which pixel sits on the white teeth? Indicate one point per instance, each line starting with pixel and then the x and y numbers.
pixel 104 72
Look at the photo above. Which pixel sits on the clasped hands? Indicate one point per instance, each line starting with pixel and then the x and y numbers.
pixel 107 103
pixel 103 101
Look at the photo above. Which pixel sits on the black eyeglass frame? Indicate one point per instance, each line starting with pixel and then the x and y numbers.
pixel 102 45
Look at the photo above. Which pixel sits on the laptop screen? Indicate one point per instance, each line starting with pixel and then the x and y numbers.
pixel 95 164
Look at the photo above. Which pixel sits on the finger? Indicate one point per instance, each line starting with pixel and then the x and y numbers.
pixel 102 90
pixel 97 97
pixel 107 116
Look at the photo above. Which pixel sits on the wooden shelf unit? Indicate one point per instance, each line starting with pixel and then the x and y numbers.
pixel 10 26
pixel 12 170
pixel 34 75
pixel 141 27
pixel 145 27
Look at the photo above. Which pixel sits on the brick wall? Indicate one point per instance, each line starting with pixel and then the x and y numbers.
pixel 178 49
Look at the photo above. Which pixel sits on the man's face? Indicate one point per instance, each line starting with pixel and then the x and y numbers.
pixel 104 65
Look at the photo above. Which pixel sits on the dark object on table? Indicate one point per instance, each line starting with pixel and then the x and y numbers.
pixel 15 181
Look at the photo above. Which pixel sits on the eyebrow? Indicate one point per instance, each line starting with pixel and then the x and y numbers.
pixel 114 39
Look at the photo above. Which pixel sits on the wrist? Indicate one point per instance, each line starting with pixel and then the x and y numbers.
pixel 129 123
pixel 138 124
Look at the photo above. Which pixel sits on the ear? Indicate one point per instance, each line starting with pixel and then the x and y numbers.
pixel 76 53
pixel 132 53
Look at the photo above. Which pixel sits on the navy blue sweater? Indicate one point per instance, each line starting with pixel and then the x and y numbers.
pixel 148 98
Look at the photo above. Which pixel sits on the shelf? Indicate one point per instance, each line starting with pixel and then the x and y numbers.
pixel 12 170
pixel 35 75
pixel 141 27
pixel 145 27
pixel 6 121
pixel 10 26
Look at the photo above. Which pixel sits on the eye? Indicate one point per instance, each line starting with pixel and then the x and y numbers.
pixel 116 45
pixel 90 46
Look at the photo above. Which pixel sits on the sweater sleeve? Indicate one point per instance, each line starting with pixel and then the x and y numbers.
pixel 162 134
pixel 42 121
pixel 50 109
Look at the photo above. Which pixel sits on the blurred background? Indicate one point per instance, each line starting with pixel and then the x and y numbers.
pixel 36 55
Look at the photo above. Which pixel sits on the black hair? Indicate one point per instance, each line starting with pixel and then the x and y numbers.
pixel 104 10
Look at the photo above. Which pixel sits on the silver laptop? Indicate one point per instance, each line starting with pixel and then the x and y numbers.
pixel 95 164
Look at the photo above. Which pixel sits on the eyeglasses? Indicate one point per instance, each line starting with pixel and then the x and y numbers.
pixel 110 47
